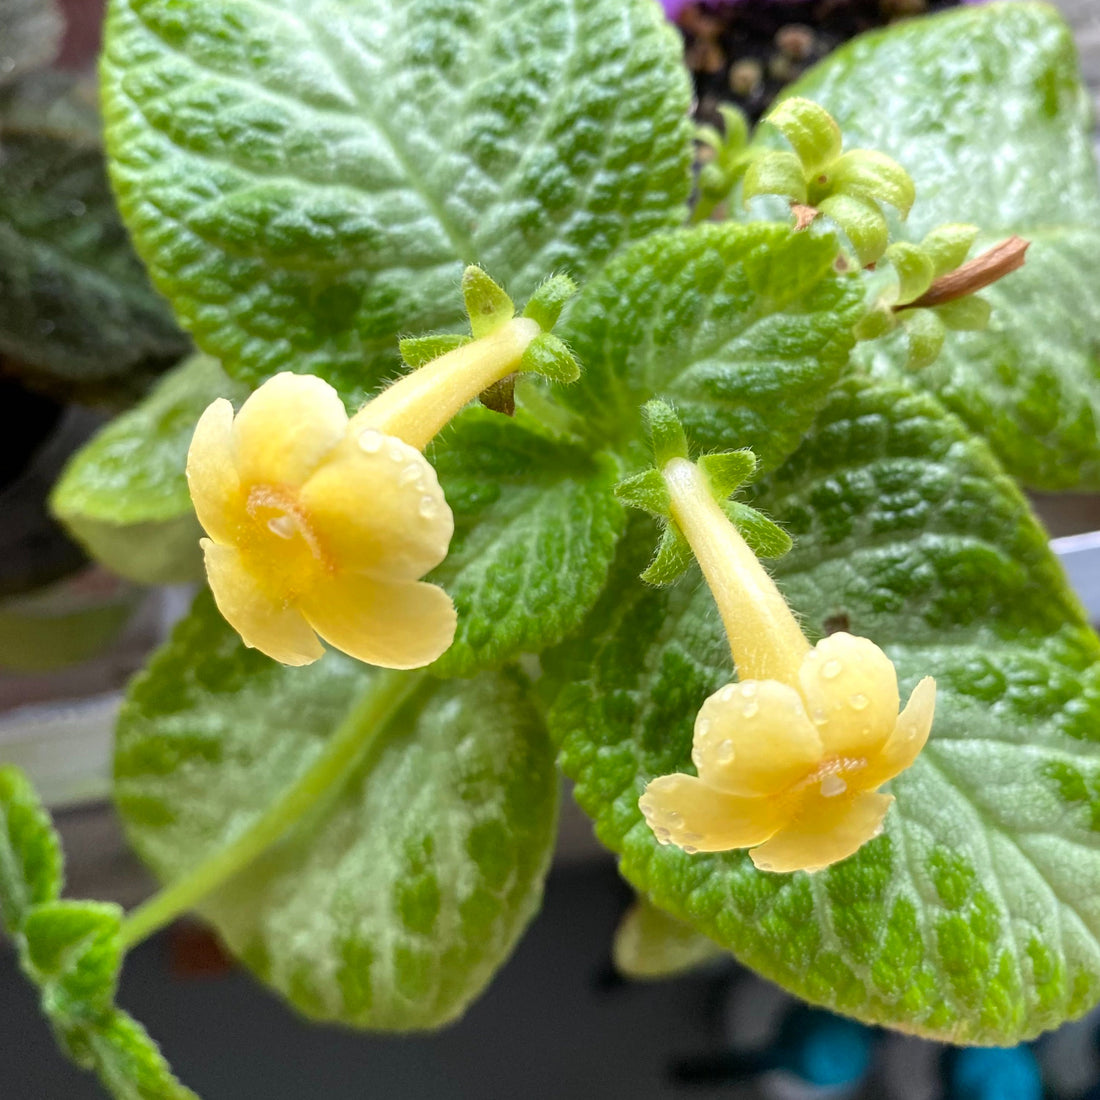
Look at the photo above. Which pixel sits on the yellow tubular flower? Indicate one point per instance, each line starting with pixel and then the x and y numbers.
pixel 321 525
pixel 789 759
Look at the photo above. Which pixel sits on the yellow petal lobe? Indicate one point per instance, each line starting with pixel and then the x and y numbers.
pixel 399 625
pixel 754 738
pixel 264 623
pixel 909 736
pixel 212 478
pixel 376 506
pixel 825 831
pixel 285 429
pixel 683 810
pixel 851 693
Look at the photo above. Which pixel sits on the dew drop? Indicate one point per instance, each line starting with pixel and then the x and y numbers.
pixel 697 758
pixel 688 850
pixel 675 819
pixel 77 208
pixel 410 474
pixel 371 441
pixel 832 785
pixel 748 689
pixel 725 753
pixel 283 526
pixel 859 701
pixel 727 693
pixel 702 727
pixel 750 710
pixel 831 670
pixel 427 507
pixel 819 716
pixel 663 835
pixel 646 808
pixel 396 452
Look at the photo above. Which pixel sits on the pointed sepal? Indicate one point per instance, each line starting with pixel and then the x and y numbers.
pixel 926 334
pixel 550 357
pixel 914 269
pixel 665 431
pixel 727 471
pixel 765 538
pixel 868 174
pixel 487 306
pixel 811 130
pixel 970 314
pixel 418 350
pixel 775 174
pixel 646 491
pixel 947 246
pixel 862 222
pixel 673 558
pixel 545 305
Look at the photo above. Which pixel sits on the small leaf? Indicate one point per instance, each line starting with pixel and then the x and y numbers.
pixel 811 130
pixel 30 854
pixel 487 306
pixel 646 491
pixel 926 334
pixel 727 471
pixel 402 883
pixel 765 538
pixel 947 246
pixel 650 944
pixel 308 182
pixel 124 494
pixel 666 433
pixel 914 270
pixel 970 314
pixel 972 918
pixel 418 350
pixel 545 305
pixel 863 224
pixel 873 176
pixel 673 559
pixel 536 523
pixel 775 174
pixel 744 329
pixel 548 356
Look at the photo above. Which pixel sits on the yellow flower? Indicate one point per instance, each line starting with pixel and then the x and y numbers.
pixel 319 527
pixel 790 758
pixel 791 769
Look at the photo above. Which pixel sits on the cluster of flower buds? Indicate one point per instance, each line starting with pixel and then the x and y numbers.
pixel 730 156
pixel 789 758
pixel 321 524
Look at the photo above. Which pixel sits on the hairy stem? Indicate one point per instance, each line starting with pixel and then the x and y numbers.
pixel 366 719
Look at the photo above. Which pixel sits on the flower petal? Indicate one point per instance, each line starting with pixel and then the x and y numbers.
pixel 825 831
pixel 265 624
pixel 285 429
pixel 909 736
pixel 212 475
pixel 851 693
pixel 754 738
pixel 683 810
pixel 405 625
pixel 376 507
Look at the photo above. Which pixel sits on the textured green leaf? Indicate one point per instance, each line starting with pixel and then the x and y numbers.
pixel 398 890
pixel 744 328
pixel 77 313
pixel 124 495
pixel 651 944
pixel 306 181
pixel 30 856
pixel 536 523
pixel 976 916
pixel 30 31
pixel 985 107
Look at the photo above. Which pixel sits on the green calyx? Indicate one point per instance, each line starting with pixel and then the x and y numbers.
pixel 488 307
pixel 725 472
pixel 848 187
pixel 731 156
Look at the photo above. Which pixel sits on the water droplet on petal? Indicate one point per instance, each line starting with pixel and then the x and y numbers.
pixel 371 441
pixel 410 474
pixel 750 710
pixel 646 807
pixel 428 507
pixel 283 526
pixel 832 785
pixel 748 689
pixel 859 701
pixel 725 752
pixel 688 850
pixel 702 727
pixel 820 716
pixel 663 835
pixel 396 452
pixel 696 758
pixel 727 693
pixel 675 819
pixel 831 670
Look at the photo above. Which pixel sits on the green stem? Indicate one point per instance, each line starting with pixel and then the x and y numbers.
pixel 366 719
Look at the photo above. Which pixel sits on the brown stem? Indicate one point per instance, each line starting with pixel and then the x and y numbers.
pixel 974 275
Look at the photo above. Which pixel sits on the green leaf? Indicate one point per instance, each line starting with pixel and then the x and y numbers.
pixel 975 917
pixel 743 328
pixel 307 182
pixel 948 90
pixel 124 495
pixel 77 314
pixel 402 882
pixel 30 855
pixel 650 944
pixel 536 523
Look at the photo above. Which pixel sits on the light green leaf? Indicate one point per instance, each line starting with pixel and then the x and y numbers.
pixel 650 944
pixel 307 181
pixel 403 880
pixel 948 91
pixel 976 916
pixel 743 328
pixel 536 523
pixel 124 495
pixel 30 855
pixel 77 314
